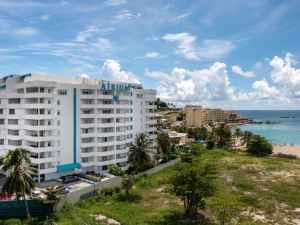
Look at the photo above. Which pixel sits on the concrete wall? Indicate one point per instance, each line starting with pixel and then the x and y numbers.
pixel 74 197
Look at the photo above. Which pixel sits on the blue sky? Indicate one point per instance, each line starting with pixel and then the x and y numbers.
pixel 238 55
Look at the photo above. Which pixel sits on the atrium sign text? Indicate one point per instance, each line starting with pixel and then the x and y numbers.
pixel 113 87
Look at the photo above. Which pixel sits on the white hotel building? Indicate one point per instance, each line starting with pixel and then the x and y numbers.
pixel 71 124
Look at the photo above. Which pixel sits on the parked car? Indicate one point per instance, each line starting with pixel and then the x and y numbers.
pixel 70 179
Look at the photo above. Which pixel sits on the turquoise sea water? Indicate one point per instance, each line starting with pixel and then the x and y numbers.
pixel 286 132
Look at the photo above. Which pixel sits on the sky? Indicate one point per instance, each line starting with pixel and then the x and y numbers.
pixel 228 54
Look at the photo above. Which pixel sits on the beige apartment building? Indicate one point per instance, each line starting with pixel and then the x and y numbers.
pixel 196 116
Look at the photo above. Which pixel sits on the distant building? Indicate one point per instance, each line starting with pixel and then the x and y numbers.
pixel 193 116
pixel 179 138
pixel 196 116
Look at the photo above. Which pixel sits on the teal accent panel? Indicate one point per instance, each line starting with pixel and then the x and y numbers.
pixel 66 167
pixel 2 86
pixel 116 98
pixel 74 125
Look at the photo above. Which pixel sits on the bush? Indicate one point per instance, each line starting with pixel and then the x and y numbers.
pixel 210 144
pixel 107 191
pixel 258 145
pixel 89 177
pixel 11 222
pixel 287 156
pixel 115 170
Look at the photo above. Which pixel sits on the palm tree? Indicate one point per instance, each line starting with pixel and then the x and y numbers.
pixel 127 183
pixel 138 152
pixel 246 136
pixel 18 163
pixel 223 133
pixel 237 133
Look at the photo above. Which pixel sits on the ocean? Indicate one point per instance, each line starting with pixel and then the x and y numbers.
pixel 286 132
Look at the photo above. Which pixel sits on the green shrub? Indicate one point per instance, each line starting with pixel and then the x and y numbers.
pixel 210 144
pixel 89 177
pixel 107 191
pixel 117 190
pixel 11 222
pixel 115 170
pixel 258 145
pixel 287 156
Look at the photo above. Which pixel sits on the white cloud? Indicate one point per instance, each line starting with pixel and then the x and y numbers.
pixel 111 70
pixel 102 43
pixel 114 2
pixel 284 74
pixel 208 49
pixel 215 49
pixel 183 85
pixel 45 17
pixel 152 55
pixel 238 70
pixel 84 76
pixel 126 15
pixel 264 91
pixel 185 44
pixel 27 31
pixel 180 17
pixel 87 33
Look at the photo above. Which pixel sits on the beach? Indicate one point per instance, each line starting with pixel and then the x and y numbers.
pixel 284 149
pixel 290 150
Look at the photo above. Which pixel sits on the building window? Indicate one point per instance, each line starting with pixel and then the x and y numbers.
pixel 1 111
pixel 1 141
pixel 11 111
pixel 62 92
pixel 58 112
pixel 58 102
pixel 139 95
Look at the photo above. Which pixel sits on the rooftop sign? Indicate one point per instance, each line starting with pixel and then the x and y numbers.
pixel 113 87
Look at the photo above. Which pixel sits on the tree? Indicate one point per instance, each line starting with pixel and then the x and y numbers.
pixel 246 136
pixel 237 133
pixel 164 143
pixel 115 170
pixel 20 180
pixel 53 194
pixel 224 208
pixel 193 183
pixel 258 145
pixel 138 152
pixel 223 133
pixel 127 183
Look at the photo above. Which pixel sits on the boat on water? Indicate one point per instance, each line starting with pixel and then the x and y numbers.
pixel 285 117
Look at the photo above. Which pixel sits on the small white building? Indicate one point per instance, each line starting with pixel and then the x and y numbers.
pixel 73 123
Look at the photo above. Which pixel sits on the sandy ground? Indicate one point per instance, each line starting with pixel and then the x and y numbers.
pixel 291 150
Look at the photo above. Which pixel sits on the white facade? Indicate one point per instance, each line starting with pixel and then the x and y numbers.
pixel 72 123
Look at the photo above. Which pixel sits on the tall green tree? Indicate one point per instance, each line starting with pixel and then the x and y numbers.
pixel 258 145
pixel 237 133
pixel 20 180
pixel 164 143
pixel 193 183
pixel 246 137
pixel 139 156
pixel 223 133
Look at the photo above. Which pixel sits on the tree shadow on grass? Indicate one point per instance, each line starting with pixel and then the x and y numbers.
pixel 129 198
pixel 176 218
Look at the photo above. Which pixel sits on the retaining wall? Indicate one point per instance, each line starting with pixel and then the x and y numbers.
pixel 74 196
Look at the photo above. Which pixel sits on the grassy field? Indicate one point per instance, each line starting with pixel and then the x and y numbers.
pixel 267 191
